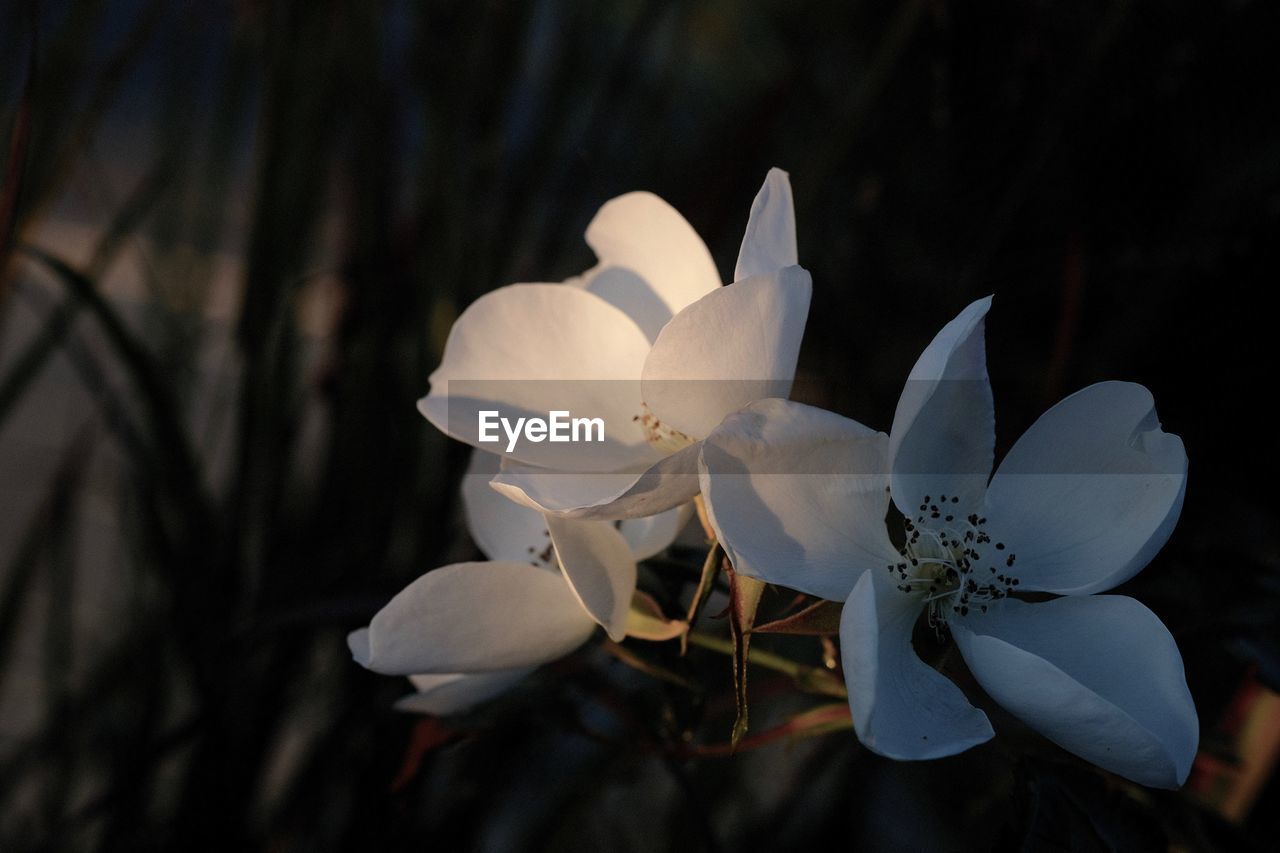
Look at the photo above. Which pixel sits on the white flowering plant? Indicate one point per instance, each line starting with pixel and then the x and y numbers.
pixel 865 545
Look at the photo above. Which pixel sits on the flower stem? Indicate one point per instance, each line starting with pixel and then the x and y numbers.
pixel 710 568
pixel 648 667
pixel 810 678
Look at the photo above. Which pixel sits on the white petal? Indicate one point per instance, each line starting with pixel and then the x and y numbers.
pixel 943 434
pixel 797 496
pixel 502 528
pixel 530 349
pixel 652 262
pixel 1091 492
pixel 454 693
pixel 734 346
pixel 361 646
pixel 769 243
pixel 599 567
pixel 1098 675
pixel 474 617
pixel 651 535
pixel 901 707
pixel 667 484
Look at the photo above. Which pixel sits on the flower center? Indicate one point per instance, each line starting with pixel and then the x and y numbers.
pixel 659 434
pixel 952 562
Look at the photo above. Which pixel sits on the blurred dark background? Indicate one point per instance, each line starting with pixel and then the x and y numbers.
pixel 233 236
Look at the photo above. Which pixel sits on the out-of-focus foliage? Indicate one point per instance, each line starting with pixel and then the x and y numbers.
pixel 239 232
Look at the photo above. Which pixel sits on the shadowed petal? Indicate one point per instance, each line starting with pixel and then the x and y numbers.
pixel 667 484
pixel 651 535
pixel 600 569
pixel 1098 675
pixel 901 707
pixel 1090 492
pixel 454 693
pixel 944 429
pixel 502 528
pixel 797 496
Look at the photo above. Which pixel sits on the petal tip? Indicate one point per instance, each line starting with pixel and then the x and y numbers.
pixel 361 647
pixel 425 404
pixel 924 751
pixel 797 276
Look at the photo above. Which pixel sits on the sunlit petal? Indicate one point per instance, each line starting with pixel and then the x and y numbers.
pixel 769 243
pixel 474 617
pixel 530 349
pixel 652 262
pixel 734 346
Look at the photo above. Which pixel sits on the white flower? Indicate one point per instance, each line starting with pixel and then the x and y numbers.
pixel 1081 503
pixel 648 340
pixel 466 632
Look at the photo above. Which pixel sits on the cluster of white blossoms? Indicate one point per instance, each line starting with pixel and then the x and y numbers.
pixel 905 528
